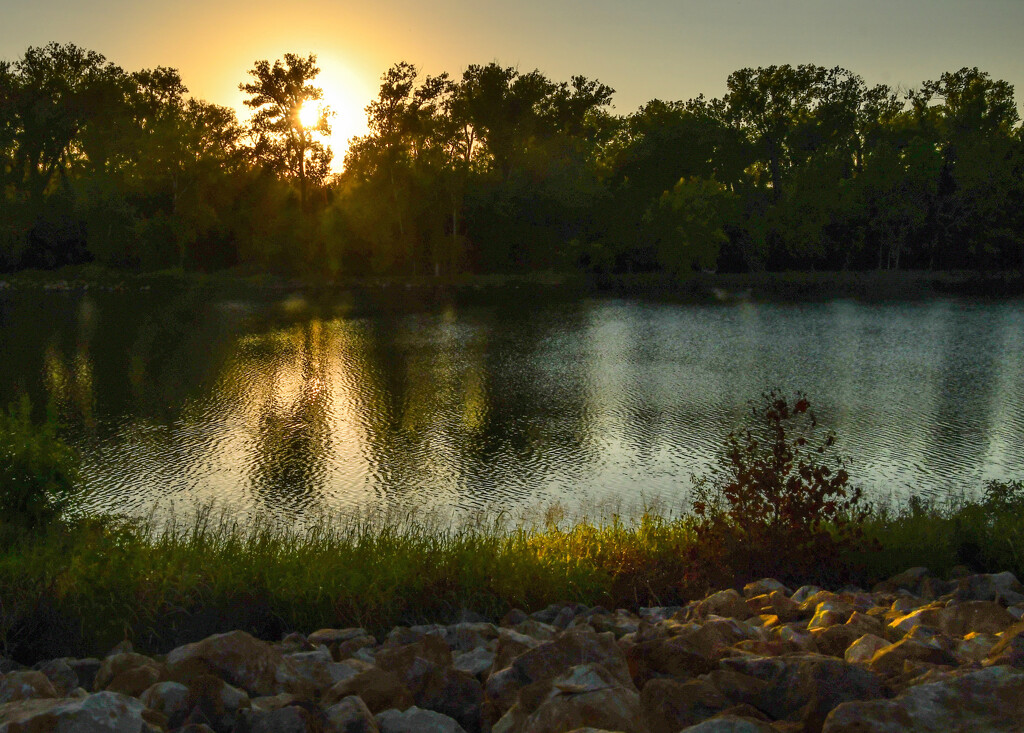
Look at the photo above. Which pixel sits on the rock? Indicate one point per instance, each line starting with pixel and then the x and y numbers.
pixel 829 613
pixel 739 689
pixel 122 647
pixel 128 673
pixel 291 719
pixel 985 700
pixel 318 669
pixel 835 640
pixel 987 617
pixel 475 662
pixel 586 695
pixel 764 586
pixel 327 637
pixel 239 659
pixel 805 688
pixel 104 712
pixel 416 720
pixel 571 648
pixel 1010 649
pixel 25 685
pixel 61 676
pixel 668 705
pixel 804 592
pixel 891 659
pixel 293 643
pixel 169 698
pixel 415 662
pixel 995 587
pixel 864 649
pixel 220 703
pixel 459 695
pixel 909 580
pixel 726 603
pixel 731 724
pixel 350 715
pixel 514 617
pixel 380 690
pixel 466 637
pixel 975 647
pixel 510 645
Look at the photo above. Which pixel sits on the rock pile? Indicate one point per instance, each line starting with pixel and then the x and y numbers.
pixel 916 653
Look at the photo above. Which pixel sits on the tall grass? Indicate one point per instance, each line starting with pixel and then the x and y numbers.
pixel 79 588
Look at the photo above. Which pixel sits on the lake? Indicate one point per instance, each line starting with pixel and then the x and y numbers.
pixel 292 405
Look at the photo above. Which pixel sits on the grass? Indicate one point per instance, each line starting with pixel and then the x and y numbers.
pixel 78 588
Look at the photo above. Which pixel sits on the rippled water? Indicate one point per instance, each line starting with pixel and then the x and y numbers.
pixel 292 406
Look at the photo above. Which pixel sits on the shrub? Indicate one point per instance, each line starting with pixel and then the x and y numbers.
pixel 781 503
pixel 38 471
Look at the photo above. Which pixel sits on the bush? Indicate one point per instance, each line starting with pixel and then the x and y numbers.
pixel 781 505
pixel 38 471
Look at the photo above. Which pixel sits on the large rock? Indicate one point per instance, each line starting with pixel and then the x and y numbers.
pixel 1010 649
pixel 805 688
pixel 416 720
pixel 995 587
pixel 586 695
pixel 571 648
pixel 989 700
pixel 170 699
pixel 891 660
pixel 669 705
pixel 104 712
pixel 290 719
pixel 63 678
pixel 129 673
pixel 350 715
pixel 764 586
pixel 241 660
pixel 726 603
pixel 864 649
pixel 25 685
pixel 380 690
pixel 220 703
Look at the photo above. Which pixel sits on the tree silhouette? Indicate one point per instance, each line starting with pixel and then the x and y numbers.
pixel 282 142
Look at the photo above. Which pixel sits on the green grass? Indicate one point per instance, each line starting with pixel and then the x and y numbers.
pixel 79 588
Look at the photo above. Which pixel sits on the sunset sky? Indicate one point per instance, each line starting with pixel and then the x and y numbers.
pixel 669 49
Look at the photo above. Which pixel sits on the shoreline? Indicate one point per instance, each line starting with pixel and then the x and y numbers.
pixel 790 286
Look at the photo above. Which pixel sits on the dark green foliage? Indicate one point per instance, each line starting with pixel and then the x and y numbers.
pixel 38 471
pixel 502 171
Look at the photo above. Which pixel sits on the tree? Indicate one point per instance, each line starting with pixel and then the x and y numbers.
pixel 282 142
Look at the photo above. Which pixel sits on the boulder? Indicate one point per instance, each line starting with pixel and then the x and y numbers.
pixel 239 659
pixel 764 586
pixel 25 685
pixel 909 580
pixel 804 592
pixel 975 647
pixel 104 712
pixel 476 662
pixel 1010 649
pixel 459 695
pixel 170 699
pixel 727 603
pixel 571 648
pixel 984 700
pixel 864 649
pixel 290 719
pixel 890 660
pixel 380 690
pixel 350 715
pixel 416 720
pixel 318 669
pixel 990 587
pixel 63 678
pixel 586 695
pixel 128 673
pixel 220 703
pixel 668 705
pixel 805 688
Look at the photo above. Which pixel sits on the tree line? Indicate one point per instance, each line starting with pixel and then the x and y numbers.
pixel 498 170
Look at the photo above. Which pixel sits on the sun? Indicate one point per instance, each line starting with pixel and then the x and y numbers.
pixel 309 114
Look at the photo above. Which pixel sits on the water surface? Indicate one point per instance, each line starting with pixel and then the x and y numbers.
pixel 292 406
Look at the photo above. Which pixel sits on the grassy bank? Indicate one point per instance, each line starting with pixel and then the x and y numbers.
pixel 79 588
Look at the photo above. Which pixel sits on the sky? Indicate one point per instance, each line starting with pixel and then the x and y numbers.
pixel 644 49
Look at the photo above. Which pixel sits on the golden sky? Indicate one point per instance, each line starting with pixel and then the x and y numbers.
pixel 669 49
